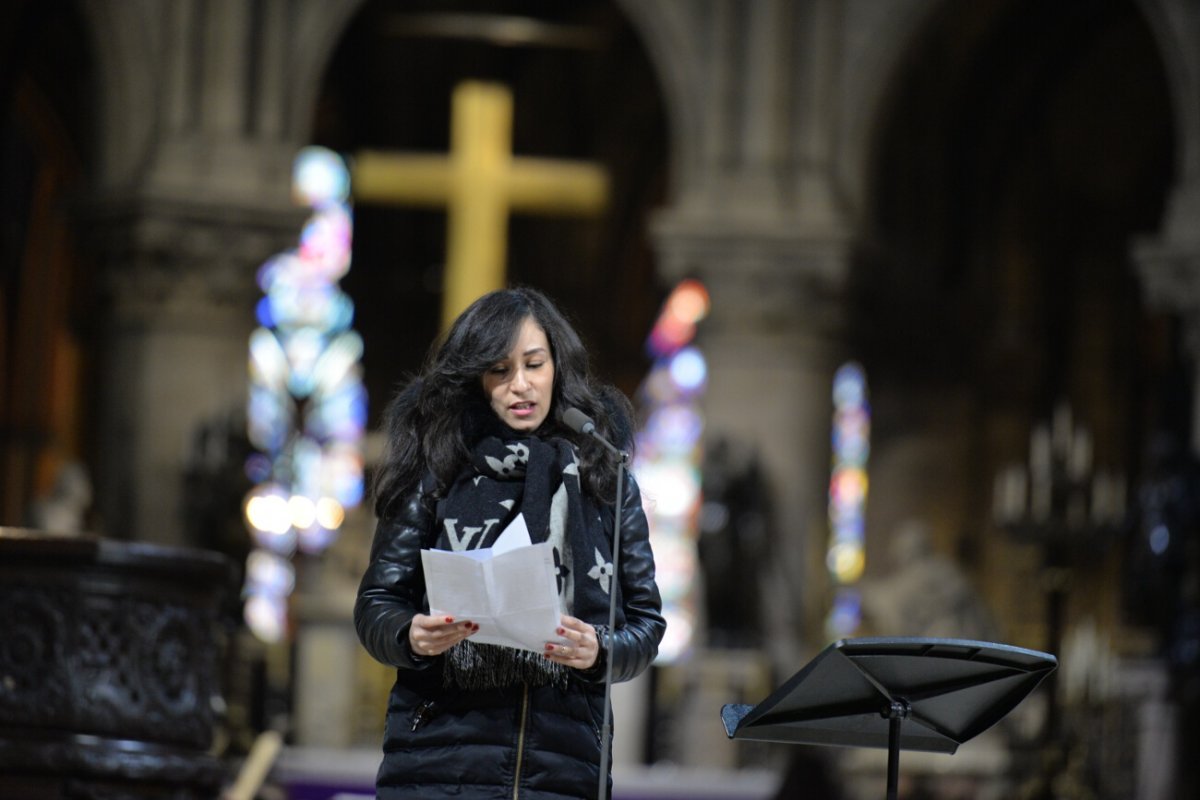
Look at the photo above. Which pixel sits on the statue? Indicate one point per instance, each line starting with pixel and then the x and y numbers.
pixel 65 508
pixel 925 593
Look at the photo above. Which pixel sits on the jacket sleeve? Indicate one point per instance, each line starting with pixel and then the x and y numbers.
pixel 392 589
pixel 634 645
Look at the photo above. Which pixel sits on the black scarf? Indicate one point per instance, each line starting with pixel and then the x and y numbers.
pixel 509 474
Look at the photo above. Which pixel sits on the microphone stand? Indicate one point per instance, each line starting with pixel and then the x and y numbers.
pixel 581 423
pixel 606 728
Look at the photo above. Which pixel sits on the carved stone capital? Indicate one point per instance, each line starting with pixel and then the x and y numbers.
pixel 170 261
pixel 765 279
pixel 1170 274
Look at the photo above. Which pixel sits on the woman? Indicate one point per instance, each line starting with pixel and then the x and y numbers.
pixel 474 441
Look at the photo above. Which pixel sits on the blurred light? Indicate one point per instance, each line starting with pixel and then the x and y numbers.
pixel 277 270
pixel 849 528
pixel 269 421
pixel 320 176
pixel 846 561
pixel 268 361
pixel 688 302
pixel 668 455
pixel 267 573
pixel 675 428
pixel 848 486
pixel 325 244
pixel 330 513
pixel 658 387
pixel 677 641
pixel 670 334
pixel 847 490
pixel 262 312
pixel 306 403
pixel 266 617
pixel 341 356
pixel 316 539
pixel 673 485
pixel 303 349
pixel 267 511
pixel 688 370
pixel 303 511
pixel 846 615
pixel 1160 539
pixel 849 386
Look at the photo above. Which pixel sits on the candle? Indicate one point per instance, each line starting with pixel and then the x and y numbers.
pixel 1062 430
pixel 1081 454
pixel 1039 454
pixel 1009 494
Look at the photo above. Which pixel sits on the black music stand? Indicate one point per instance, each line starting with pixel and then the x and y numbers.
pixel 857 692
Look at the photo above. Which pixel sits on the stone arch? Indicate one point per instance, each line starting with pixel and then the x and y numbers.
pixel 127 92
pixel 1175 31
pixel 876 56
pixel 665 32
pixel 320 29
pixel 671 47
pixel 1176 27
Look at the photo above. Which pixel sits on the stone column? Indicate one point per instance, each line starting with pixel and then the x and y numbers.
pixel 772 343
pixel 1169 264
pixel 193 194
pixel 758 219
pixel 179 296
pixel 1169 268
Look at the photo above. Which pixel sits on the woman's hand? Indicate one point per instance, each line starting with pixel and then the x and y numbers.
pixel 431 636
pixel 582 648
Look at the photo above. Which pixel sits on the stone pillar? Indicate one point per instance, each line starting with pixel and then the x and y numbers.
pixel 772 343
pixel 193 193
pixel 179 296
pixel 1169 264
pixel 1169 268
pixel 759 220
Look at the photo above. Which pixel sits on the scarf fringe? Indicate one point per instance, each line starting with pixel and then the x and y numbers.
pixel 486 666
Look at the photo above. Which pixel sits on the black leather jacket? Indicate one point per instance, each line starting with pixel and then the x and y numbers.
pixel 392 590
pixel 535 743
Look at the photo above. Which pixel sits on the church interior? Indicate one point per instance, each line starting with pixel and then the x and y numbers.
pixel 906 296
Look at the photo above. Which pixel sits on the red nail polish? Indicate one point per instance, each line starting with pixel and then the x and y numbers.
pixel 561 632
pixel 549 647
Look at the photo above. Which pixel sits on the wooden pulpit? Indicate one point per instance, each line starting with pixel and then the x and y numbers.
pixel 109 655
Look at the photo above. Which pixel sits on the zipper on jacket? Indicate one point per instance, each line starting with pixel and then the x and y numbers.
pixel 521 740
pixel 423 714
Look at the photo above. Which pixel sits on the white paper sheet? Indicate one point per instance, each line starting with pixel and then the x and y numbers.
pixel 509 590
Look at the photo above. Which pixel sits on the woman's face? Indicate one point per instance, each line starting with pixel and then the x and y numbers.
pixel 520 386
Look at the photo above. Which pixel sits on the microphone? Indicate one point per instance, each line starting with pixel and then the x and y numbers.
pixel 580 422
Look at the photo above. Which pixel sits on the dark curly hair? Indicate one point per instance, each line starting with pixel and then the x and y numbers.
pixel 430 422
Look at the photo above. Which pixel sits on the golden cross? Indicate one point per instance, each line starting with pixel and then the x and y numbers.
pixel 479 183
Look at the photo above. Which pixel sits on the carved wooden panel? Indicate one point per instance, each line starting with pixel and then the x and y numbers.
pixel 108 668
